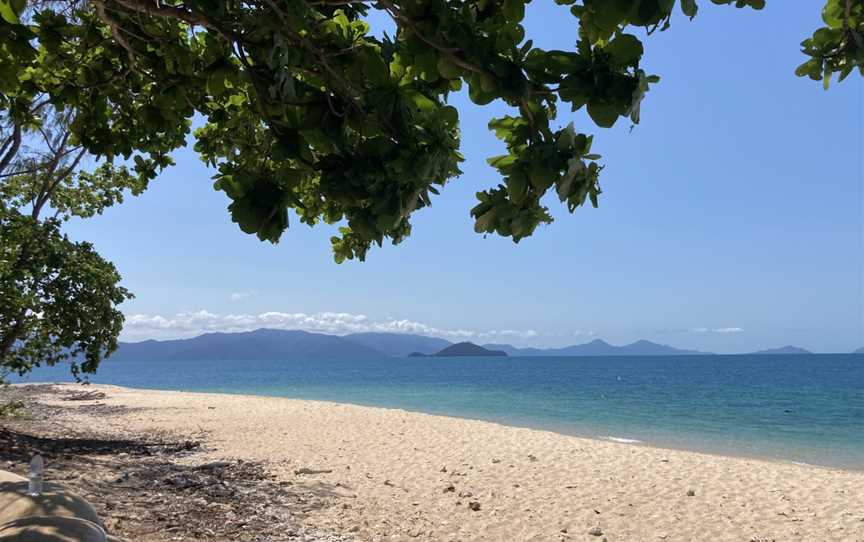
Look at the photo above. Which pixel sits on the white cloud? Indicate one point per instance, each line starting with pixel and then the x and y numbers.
pixel 240 296
pixel 190 324
pixel 717 330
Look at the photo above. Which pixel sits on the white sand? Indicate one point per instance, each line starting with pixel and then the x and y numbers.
pixel 391 469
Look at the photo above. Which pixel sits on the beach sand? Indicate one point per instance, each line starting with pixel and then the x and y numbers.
pixel 400 475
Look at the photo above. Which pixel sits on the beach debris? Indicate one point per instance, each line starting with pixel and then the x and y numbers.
pixel 595 531
pixel 304 470
pixel 83 396
pixel 465 494
pixel 213 465
pixel 443 469
pixel 664 460
pixel 34 488
pixel 389 483
pixel 495 460
pixel 532 458
pixel 474 505
pixel 450 489
pixel 564 530
pixel 243 501
pixel 691 493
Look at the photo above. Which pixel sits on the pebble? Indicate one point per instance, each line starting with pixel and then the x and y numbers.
pixel 474 505
pixel 450 489
pixel 691 493
pixel 595 531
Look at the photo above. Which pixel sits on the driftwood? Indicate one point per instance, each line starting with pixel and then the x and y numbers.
pixel 312 471
pixel 84 396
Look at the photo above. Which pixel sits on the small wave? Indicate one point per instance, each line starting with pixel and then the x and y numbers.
pixel 624 440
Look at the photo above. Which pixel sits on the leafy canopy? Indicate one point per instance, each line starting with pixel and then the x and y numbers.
pixel 58 298
pixel 306 110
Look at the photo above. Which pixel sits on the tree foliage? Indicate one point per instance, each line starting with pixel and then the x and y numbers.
pixel 58 298
pixel 305 109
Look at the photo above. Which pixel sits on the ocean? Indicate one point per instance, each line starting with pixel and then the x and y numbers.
pixel 801 408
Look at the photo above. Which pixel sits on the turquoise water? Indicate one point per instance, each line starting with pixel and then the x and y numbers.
pixel 797 408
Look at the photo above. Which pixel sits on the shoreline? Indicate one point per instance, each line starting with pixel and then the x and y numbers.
pixel 399 475
pixel 610 439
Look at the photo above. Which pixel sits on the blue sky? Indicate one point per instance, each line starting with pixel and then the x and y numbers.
pixel 731 220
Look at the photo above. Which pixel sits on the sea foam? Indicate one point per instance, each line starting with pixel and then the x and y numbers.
pixel 623 440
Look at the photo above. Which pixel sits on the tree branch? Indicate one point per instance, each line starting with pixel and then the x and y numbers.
pixel 453 53
pixel 50 182
pixel 13 150
pixel 160 9
pixel 115 30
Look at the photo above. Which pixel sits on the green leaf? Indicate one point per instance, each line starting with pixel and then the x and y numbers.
pixel 502 161
pixel 833 13
pixel 689 8
pixel 8 12
pixel 517 186
pixel 542 175
pixel 514 10
pixel 486 221
pixel 603 115
pixel 625 50
pixel 447 69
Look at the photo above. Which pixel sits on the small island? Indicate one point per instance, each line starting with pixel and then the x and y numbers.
pixel 458 350
pixel 783 350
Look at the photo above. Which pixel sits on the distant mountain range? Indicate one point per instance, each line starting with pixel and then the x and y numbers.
pixel 399 344
pixel 261 344
pixel 462 350
pixel 274 344
pixel 598 347
pixel 859 351
pixel 784 350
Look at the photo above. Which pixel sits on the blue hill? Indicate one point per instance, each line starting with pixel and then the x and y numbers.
pixel 598 347
pixel 784 350
pixel 399 344
pixel 261 344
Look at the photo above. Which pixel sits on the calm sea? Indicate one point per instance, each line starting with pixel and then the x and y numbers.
pixel 807 408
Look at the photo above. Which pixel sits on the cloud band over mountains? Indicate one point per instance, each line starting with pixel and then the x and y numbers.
pixel 190 324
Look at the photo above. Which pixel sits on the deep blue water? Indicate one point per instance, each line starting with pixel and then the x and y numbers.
pixel 799 408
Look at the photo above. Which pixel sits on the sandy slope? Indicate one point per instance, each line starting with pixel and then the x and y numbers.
pixel 404 476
